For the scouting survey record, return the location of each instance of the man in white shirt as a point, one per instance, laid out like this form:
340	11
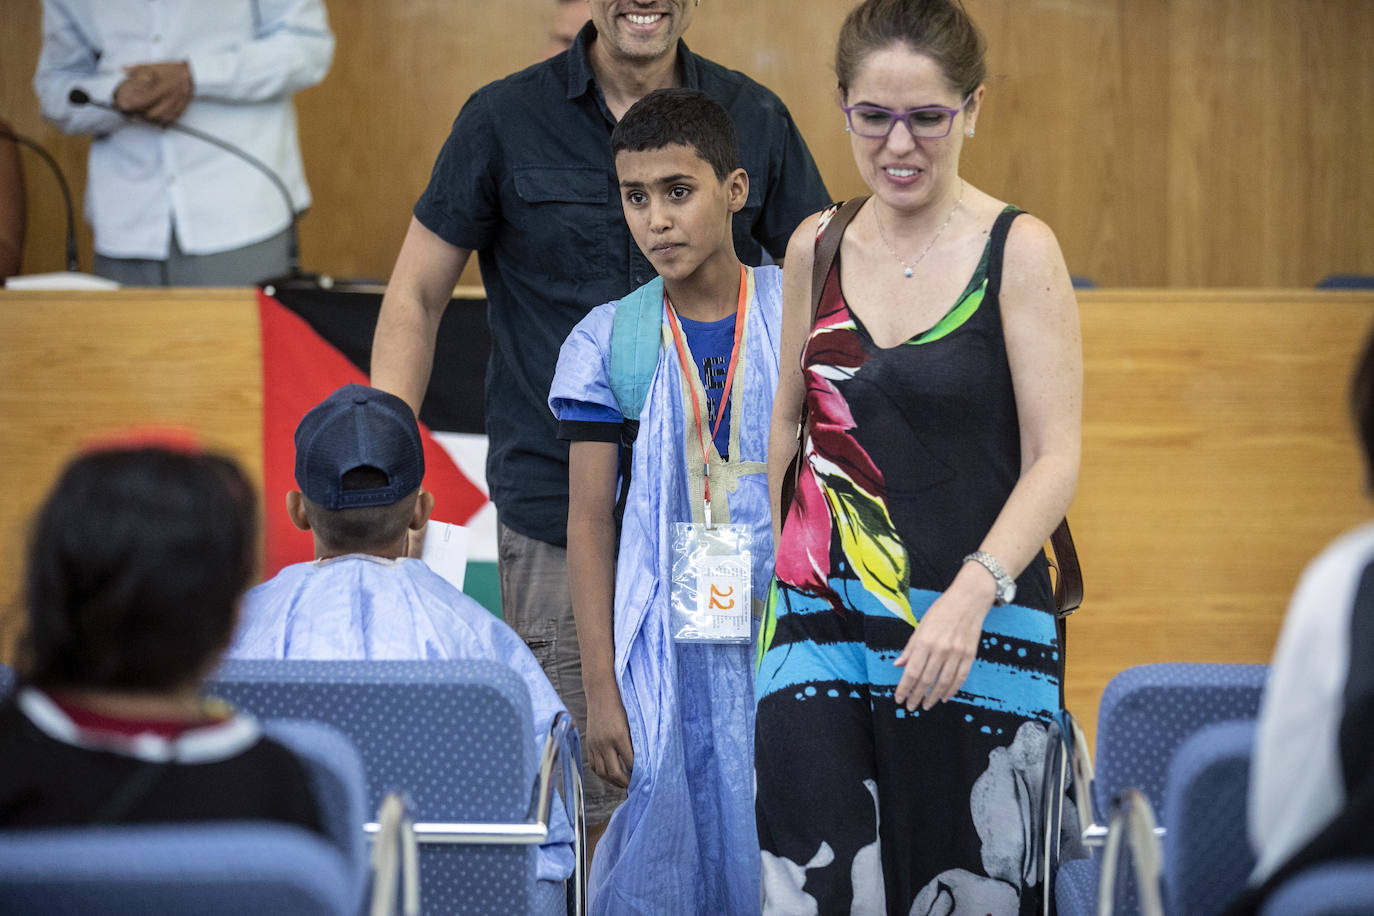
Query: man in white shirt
168	208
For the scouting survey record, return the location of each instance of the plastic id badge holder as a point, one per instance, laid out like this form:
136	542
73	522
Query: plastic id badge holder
710	601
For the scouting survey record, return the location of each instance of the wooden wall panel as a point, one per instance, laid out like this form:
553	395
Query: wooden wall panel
1217	461
1216	453
79	364
1168	142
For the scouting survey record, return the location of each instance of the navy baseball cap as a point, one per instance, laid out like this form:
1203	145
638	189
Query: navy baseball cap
355	427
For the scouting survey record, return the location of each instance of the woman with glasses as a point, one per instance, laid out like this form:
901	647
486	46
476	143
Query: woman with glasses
908	660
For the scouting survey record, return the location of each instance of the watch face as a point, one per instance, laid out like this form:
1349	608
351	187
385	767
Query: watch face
1007	593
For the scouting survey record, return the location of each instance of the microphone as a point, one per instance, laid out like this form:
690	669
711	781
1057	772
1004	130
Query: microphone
294	278
72	264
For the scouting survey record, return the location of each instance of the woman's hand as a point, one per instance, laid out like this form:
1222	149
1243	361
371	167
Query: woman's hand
940	652
610	752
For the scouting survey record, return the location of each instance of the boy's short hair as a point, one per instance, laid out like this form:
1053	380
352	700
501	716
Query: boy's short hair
366	528
687	117
359	464
137	561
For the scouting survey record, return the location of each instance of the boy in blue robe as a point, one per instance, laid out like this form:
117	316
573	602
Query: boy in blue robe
672	721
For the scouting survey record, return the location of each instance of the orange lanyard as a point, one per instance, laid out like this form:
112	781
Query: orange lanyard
689	374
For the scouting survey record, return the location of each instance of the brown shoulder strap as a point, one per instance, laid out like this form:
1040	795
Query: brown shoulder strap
833	223
1068	584
827	246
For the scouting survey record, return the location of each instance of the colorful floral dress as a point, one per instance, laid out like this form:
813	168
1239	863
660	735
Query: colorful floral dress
861	806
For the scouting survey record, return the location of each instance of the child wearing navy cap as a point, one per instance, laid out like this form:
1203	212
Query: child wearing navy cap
359	466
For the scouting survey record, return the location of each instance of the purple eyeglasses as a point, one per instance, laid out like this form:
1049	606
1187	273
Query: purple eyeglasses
930	122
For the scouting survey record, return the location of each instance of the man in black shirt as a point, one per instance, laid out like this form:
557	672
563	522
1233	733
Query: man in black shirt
526	179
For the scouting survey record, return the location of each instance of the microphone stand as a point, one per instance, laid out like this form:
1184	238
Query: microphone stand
294	278
73	264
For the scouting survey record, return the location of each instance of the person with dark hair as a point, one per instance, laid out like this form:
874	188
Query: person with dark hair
670	693
359	465
527	180
135	568
910	662
1312	775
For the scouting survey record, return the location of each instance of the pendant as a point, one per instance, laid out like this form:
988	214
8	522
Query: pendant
907	273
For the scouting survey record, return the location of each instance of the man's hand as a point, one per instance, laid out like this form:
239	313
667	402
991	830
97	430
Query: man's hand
609	750
158	92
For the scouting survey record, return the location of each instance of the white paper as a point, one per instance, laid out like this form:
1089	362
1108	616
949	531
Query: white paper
64	279
446	551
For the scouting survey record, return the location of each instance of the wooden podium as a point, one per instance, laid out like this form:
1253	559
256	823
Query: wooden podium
1217	453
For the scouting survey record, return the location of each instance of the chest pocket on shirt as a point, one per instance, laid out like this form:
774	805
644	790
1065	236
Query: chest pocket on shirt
564	213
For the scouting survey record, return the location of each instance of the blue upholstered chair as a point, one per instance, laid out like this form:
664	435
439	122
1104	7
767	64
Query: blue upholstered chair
1346	281
6	681
221	868
1207	855
1334	889
335	770
1145	715
457	738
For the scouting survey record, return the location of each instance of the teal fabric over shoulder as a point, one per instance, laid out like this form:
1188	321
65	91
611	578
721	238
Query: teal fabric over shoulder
636	336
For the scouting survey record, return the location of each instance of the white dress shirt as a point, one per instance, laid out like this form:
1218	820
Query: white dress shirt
246	58
1296	784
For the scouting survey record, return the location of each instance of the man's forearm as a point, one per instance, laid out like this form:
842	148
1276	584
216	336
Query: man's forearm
403	350
408	326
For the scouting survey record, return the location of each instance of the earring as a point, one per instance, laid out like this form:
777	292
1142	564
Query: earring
970	133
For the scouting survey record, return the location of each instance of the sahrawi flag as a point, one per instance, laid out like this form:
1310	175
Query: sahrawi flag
314	341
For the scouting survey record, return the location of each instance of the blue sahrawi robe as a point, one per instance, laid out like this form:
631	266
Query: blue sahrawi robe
363	607
684	841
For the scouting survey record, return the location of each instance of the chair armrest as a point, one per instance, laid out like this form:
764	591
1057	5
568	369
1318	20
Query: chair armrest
395	850
1132	821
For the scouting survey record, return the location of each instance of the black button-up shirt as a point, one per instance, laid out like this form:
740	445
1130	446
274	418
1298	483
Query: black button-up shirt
526	179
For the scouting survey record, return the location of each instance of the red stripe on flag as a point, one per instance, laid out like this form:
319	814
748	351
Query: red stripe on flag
299	370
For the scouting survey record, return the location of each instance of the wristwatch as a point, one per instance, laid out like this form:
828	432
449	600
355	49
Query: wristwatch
1006	585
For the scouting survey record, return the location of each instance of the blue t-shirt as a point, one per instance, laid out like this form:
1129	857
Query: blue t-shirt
710	343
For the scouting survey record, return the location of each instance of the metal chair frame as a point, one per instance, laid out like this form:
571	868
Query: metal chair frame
1132	821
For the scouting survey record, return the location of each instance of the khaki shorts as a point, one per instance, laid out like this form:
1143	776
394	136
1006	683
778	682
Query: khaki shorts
536	602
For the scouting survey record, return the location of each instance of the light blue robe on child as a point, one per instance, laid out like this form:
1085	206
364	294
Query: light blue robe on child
684	841
359	606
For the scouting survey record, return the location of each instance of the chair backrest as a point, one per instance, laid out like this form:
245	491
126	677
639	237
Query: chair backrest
1148	711
456	736
1334	889
1207	856
337	779
1346	281
7	680
220	869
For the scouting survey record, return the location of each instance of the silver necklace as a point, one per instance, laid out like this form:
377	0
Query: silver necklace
910	269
